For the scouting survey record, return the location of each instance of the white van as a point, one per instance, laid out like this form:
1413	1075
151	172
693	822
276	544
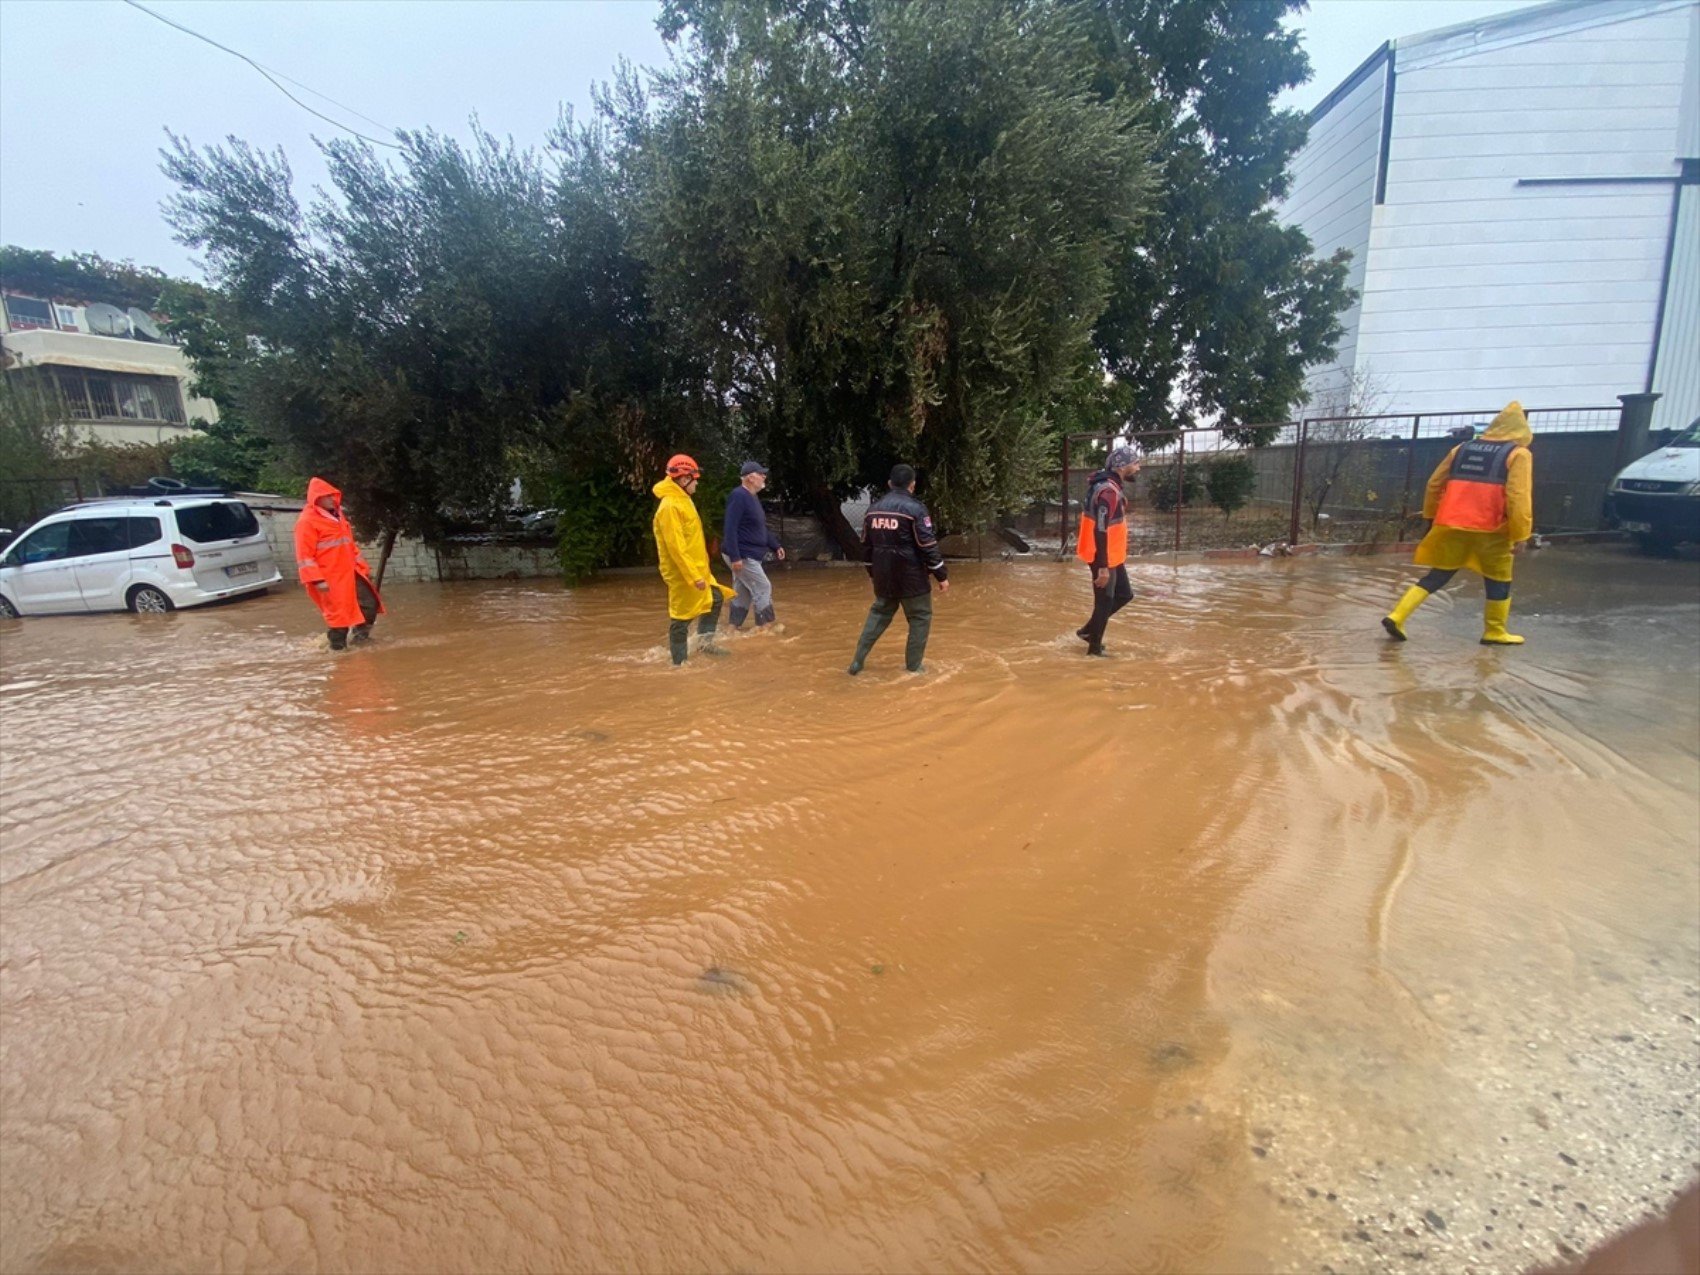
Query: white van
137	554
1658	497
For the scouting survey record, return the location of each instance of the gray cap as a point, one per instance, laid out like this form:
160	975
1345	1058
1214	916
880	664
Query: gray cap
752	467
1121	457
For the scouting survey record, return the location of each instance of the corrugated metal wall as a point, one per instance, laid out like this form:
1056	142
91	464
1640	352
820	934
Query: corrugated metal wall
1480	286
1334	191
1677	374
1507	258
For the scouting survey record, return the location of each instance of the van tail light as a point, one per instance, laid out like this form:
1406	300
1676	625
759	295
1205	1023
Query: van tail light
181	556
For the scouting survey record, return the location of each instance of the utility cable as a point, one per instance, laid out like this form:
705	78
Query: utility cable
376	141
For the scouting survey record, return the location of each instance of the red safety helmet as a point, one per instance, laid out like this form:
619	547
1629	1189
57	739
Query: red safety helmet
682	466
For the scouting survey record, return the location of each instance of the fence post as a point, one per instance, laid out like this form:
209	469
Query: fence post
1410	462
1180	489
1298	482
1062	533
1634	425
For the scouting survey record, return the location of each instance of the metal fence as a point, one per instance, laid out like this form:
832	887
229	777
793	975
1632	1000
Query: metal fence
1333	479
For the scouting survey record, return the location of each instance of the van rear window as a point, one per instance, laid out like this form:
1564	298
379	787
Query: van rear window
221	520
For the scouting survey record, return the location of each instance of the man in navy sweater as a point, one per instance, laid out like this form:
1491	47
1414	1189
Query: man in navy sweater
744	543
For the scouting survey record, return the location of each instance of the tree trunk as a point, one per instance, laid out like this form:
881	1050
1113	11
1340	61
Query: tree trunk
830	511
384	558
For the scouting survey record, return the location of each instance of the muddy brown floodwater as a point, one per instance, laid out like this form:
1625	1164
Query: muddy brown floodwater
501	945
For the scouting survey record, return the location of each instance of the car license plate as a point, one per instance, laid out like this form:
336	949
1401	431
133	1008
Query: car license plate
1636	528
243	569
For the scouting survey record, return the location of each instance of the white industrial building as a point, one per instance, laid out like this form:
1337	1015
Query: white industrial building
1521	199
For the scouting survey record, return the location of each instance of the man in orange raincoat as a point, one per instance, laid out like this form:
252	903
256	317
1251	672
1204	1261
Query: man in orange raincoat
332	568
1479	497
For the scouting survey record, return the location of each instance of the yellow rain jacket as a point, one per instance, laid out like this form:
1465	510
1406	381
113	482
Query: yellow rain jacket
682	552
1486	552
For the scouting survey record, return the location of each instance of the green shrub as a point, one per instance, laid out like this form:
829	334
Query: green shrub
1167	488
1231	480
603	523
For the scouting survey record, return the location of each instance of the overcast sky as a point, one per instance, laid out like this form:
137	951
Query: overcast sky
91	85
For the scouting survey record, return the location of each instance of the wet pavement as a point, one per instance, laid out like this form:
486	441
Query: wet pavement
500	944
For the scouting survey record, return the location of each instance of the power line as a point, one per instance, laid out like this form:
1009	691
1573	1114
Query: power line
307	88
275	81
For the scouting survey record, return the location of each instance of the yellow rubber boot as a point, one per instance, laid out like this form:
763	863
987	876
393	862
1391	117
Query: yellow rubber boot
1394	621
1495	614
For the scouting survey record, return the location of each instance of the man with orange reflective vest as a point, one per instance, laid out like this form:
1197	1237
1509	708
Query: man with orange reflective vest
692	589
1479	498
332	568
1102	544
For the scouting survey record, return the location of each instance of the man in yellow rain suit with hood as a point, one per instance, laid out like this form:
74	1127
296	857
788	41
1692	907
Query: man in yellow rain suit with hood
692	589
1479	499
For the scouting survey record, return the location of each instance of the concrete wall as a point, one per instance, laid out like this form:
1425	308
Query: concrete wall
417	560
412	561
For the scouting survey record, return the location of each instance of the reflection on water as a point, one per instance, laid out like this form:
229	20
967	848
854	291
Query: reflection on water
503	945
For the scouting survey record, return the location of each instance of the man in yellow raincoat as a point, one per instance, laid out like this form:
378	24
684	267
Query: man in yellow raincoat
692	589
1479	498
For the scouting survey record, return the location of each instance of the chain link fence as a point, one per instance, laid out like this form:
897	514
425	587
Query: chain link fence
1334	479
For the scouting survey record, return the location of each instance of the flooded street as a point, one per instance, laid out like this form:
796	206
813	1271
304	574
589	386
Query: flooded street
502	945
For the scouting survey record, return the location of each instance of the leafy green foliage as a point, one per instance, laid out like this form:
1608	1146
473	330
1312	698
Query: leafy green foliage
34	441
1218	309
1169	485
1231	481
223	455
82	276
888	228
834	234
602	523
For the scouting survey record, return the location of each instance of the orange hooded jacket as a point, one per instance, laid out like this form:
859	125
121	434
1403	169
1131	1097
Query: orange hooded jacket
325	550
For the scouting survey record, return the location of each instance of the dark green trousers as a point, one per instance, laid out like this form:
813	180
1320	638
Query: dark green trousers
918	610
368	617
679	631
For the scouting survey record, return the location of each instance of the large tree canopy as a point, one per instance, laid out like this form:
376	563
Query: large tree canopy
832	233
1218	308
413	330
889	229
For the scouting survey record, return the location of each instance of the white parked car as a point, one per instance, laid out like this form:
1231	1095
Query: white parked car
1658	496
136	553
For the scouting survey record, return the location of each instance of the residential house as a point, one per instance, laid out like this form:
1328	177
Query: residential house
120	377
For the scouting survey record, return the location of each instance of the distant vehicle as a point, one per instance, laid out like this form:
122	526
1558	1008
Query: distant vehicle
138	554
1657	498
540	522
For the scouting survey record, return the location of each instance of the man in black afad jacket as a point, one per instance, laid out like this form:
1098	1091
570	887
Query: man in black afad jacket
903	558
